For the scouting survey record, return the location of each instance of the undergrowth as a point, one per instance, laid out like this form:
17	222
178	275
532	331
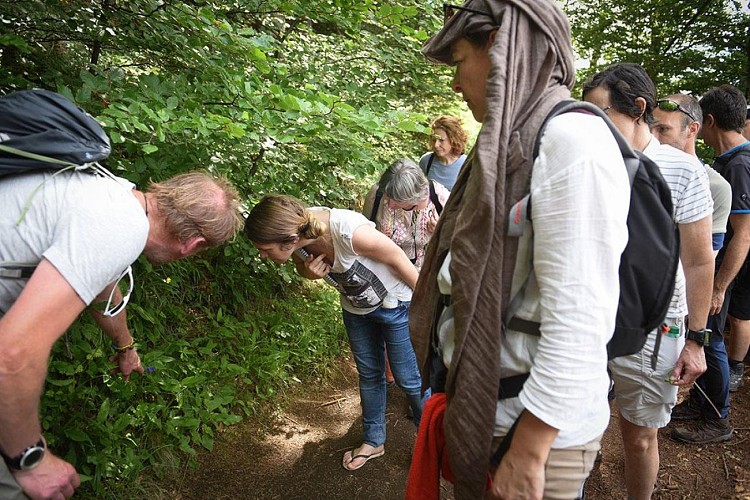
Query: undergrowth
219	336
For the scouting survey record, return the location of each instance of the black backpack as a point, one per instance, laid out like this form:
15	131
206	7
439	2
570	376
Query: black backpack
648	265
429	164
379	196
40	129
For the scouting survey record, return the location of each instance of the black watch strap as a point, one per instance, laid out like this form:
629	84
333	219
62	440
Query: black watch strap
28	458
703	336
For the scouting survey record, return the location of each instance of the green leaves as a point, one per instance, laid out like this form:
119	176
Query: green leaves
684	46
217	348
306	98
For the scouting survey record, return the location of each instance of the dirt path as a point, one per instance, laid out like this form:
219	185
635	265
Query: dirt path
296	454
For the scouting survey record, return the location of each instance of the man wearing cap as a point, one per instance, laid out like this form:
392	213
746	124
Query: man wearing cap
513	63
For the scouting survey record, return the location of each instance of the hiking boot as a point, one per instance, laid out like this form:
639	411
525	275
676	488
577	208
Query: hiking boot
687	410
710	430
735	376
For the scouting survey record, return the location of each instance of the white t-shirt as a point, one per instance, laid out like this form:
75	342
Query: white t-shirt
580	196
90	228
362	282
721	192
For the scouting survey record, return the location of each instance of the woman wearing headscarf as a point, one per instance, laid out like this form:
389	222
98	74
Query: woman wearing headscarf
513	63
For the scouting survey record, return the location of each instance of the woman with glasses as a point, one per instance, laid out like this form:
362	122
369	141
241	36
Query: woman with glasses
448	142
405	206
375	280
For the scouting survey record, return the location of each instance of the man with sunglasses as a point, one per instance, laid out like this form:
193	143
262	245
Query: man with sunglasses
65	241
646	394
513	63
677	122
724	110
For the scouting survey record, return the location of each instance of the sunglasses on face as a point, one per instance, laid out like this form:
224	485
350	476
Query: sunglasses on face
669	105
451	10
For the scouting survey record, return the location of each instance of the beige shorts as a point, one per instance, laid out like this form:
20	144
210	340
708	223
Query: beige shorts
566	469
643	395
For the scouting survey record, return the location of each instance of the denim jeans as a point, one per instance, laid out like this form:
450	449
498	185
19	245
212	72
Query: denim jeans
369	335
715	380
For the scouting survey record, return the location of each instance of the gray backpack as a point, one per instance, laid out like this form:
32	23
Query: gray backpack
40	129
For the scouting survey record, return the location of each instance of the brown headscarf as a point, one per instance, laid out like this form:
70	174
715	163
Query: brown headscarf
531	71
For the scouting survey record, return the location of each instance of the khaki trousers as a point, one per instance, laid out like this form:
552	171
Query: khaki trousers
566	469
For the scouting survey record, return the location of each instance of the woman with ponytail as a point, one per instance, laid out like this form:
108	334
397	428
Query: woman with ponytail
375	279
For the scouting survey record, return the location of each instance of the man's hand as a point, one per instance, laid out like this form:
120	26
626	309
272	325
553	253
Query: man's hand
690	365
127	363
520	474
717	301
53	479
517	478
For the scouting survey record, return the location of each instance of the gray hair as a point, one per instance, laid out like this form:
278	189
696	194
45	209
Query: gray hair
404	182
689	104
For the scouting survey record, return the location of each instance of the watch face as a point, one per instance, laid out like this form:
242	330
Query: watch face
32	458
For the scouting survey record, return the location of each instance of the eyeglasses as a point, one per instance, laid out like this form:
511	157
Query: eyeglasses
451	10
669	105
394	204
111	311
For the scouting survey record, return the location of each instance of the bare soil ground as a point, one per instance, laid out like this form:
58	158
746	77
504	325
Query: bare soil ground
294	452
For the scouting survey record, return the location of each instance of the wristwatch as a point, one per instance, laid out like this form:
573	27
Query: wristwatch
702	336
28	458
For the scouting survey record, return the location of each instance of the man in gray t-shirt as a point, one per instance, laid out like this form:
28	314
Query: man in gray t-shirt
65	242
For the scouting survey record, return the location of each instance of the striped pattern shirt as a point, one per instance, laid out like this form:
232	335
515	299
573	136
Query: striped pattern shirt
691	198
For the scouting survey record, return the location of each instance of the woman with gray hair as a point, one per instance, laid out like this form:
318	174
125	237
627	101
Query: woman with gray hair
405	206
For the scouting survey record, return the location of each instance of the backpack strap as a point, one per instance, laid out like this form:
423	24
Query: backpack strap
17	271
521	212
34	156
429	164
376	204
434	198
628	154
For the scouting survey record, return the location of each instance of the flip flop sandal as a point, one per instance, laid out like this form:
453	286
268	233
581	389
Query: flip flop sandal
367	458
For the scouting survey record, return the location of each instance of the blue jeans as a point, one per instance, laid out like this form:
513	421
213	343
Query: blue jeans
715	380
369	335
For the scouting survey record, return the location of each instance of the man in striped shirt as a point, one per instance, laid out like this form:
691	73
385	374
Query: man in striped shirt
645	396
677	122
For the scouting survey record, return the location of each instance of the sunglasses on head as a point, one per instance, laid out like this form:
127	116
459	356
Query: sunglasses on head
669	105
451	10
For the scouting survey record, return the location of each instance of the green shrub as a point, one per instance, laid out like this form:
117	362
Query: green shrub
209	367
